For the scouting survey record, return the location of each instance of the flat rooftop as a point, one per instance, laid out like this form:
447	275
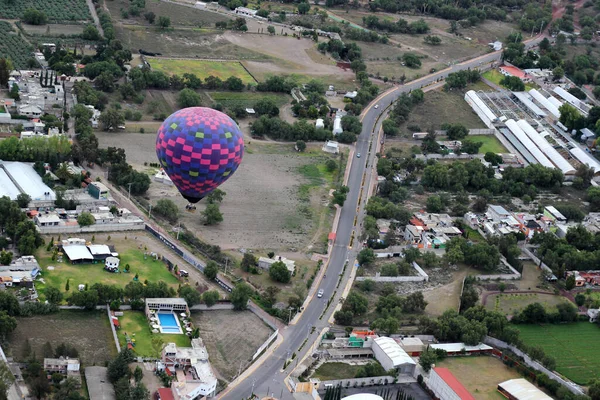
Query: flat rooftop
7	188
29	180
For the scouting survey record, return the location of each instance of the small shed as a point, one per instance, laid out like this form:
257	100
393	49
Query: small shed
319	123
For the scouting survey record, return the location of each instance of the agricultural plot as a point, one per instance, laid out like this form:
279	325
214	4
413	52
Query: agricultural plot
480	375
13	46
490	143
88	331
180	15
53	29
247	99
56	10
510	304
229	343
202	68
571	345
129	253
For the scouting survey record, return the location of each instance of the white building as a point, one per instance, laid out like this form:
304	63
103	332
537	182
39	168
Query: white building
337	125
331	146
521	389
49	219
30	110
265	263
445	386
319	123
391	356
245	11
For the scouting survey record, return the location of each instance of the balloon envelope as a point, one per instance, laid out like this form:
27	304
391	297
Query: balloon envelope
199	148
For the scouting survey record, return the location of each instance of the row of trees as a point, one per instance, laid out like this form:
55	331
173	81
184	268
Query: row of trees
400	26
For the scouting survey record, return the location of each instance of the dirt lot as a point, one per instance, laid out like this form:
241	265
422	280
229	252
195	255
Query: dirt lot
53	29
88	332
480	375
228	343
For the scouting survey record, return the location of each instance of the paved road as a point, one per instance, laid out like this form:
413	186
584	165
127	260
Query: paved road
268	378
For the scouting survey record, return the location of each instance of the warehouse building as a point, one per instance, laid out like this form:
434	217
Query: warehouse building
521	389
585	158
544	102
481	109
391	356
538	139
445	386
528	144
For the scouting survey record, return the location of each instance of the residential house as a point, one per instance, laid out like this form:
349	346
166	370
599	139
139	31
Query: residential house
47	219
554	214
65	366
412	234
265	263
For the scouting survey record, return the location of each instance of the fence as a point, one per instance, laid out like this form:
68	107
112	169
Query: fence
572	387
136	226
536	260
358	382
423	277
112	328
265	344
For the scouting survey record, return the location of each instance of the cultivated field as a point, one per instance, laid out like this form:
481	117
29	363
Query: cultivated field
135	324
450	107
201	68
490	143
510	304
247	99
129	253
53	29
14	46
56	10
89	332
229	343
480	375
569	344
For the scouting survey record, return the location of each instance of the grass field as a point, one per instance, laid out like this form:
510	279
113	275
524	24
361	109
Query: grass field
53	29
490	143
571	345
134	323
495	76
149	269
230	337
510	304
480	375
441	107
202	68
88	331
336	370
247	99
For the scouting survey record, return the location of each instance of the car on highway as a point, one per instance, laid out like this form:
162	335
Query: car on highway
376	106
357	155
320	293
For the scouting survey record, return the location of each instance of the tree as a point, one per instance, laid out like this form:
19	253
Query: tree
271	29
433	40
190	294
570	117
5	70
279	272
5	257
456	131
513	83
90	32
212	214
150	17
23	200
216	196
211	270
411	60
570	282
210	297
356	302
366	256
188	98
427	359
85	219
34	17
593	196
343	317
8	324
434	204
111	119
53	295
303	8
234	83
594	389
164	22
240	295
330	165
119	367
414	303
248	261
301	145
167	209
87	299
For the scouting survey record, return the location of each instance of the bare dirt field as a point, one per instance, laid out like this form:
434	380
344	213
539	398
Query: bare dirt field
53	29
228	343
89	332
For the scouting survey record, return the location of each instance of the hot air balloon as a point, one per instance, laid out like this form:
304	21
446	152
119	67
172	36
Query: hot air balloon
199	148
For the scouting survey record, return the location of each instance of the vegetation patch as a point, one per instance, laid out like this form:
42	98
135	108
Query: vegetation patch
56	10
247	99
511	304
13	46
202	68
339	370
570	345
490	143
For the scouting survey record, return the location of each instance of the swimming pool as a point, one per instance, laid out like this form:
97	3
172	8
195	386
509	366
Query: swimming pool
168	323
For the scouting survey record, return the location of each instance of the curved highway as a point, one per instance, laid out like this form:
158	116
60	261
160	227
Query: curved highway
268	378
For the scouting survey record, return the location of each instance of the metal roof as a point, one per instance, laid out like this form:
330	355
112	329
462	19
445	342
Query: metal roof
544	102
522	389
454	347
393	350
518	146
29	180
585	158
546	147
567	96
533	149
7	187
523	97
77	252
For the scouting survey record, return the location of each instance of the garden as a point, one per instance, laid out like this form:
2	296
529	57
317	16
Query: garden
13	46
490	143
141	263
572	345
56	10
510	304
202	68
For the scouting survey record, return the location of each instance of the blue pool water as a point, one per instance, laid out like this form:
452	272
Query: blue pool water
170	330
167	321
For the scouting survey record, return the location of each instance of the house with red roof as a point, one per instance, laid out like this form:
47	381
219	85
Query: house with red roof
509	70
445	386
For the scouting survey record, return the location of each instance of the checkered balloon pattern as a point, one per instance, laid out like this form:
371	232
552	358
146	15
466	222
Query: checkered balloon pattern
199	148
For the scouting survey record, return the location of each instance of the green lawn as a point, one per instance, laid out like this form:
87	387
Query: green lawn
148	268
134	323
510	304
201	68
490	143
495	76
336	370
572	345
247	99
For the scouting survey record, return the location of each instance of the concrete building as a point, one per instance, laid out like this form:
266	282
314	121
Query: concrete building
265	263
331	146
98	190
47	219
172	304
413	346
30	110
363	396
391	356
65	366
453	349
245	11
555	215
521	389
192	369
445	386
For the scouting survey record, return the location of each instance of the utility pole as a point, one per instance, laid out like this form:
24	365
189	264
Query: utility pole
178	229
226	263
129	184
150	212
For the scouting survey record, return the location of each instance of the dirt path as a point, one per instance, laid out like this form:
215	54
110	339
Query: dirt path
95	17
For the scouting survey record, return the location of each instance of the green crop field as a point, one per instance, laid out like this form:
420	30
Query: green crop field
201	68
56	10
247	99
572	345
13	46
135	324
148	268
490	143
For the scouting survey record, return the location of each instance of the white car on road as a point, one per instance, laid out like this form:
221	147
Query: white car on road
320	293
